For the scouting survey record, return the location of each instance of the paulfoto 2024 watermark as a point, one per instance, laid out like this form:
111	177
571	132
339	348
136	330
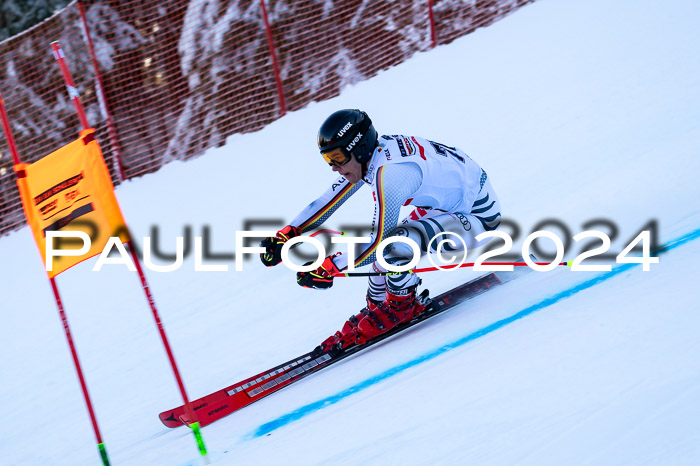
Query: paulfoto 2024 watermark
493	257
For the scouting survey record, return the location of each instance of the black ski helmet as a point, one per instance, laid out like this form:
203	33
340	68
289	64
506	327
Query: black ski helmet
351	131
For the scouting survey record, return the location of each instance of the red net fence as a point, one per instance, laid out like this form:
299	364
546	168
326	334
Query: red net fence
162	81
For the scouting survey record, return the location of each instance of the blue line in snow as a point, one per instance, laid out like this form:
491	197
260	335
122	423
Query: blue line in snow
333	399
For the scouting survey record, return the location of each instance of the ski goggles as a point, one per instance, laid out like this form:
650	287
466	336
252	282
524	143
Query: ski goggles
336	157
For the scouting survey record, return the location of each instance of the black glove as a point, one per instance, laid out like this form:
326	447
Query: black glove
273	246
320	278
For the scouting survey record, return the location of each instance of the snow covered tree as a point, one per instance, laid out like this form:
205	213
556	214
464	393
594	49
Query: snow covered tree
18	15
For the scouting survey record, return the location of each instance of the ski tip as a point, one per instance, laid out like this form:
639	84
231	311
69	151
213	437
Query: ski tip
169	420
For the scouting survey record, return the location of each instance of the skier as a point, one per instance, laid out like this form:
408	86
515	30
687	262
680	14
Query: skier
450	191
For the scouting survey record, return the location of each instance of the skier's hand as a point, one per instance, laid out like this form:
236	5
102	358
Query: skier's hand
273	246
321	278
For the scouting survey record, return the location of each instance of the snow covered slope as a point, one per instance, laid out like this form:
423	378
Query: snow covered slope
577	110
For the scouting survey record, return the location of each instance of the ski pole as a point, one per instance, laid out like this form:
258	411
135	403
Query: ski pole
332	232
315	233
432	269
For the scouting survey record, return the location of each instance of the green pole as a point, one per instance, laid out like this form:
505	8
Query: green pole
103	454
198	437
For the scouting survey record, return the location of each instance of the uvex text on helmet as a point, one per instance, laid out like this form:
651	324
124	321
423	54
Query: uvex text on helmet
351	131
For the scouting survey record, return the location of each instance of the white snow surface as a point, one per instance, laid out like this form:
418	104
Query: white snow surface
576	109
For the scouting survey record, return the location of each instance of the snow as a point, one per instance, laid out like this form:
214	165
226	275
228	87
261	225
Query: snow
577	110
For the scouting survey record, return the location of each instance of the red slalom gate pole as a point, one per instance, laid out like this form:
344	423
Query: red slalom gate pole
275	66
59	304
431	16
70	85
73	92
101	92
76	361
191	415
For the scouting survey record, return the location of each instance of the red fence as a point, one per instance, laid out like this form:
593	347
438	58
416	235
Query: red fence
172	79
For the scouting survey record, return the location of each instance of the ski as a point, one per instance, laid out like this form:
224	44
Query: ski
223	402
